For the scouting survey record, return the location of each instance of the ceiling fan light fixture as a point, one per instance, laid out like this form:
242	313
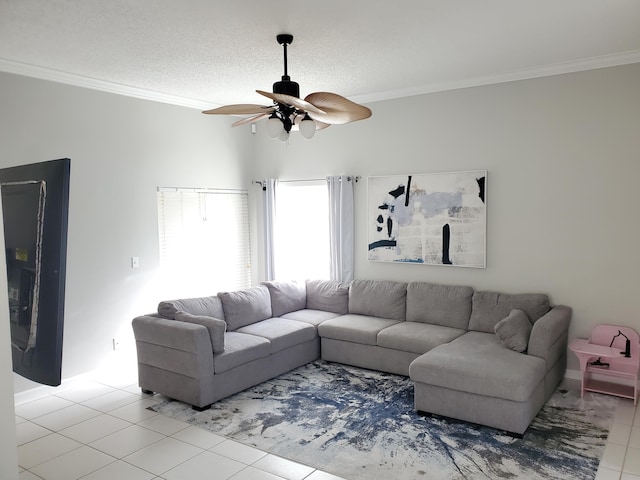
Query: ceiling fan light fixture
284	136
307	127
274	126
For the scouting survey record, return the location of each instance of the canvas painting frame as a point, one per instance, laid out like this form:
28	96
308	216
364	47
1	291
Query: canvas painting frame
428	219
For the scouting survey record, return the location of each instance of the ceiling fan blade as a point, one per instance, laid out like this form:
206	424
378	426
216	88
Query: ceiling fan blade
293	101
338	110
256	118
241	109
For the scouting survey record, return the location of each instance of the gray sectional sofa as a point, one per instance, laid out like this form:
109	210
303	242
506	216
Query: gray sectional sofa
482	357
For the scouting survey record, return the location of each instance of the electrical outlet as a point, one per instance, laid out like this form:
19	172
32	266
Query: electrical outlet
135	262
116	344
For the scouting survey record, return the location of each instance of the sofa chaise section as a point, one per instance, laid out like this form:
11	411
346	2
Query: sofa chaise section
480	379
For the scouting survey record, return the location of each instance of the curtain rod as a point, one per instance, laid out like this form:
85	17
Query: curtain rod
356	178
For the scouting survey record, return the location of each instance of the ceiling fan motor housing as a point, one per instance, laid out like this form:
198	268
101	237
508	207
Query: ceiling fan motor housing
287	87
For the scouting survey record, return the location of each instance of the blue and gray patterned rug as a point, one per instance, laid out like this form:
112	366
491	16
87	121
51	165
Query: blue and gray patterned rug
360	424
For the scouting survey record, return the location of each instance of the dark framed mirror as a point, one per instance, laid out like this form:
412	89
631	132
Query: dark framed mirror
35	205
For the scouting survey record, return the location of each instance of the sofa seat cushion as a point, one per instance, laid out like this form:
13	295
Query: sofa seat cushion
313	317
355	328
446	305
240	348
478	363
244	307
282	333
384	299
416	337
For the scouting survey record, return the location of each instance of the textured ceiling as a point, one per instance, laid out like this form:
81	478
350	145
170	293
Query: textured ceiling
205	53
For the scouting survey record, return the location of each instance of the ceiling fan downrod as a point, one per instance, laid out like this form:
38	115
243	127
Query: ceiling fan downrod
286	86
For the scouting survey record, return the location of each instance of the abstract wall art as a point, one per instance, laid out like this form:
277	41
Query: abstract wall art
433	219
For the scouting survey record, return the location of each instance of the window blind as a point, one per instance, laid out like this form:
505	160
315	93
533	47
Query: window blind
204	238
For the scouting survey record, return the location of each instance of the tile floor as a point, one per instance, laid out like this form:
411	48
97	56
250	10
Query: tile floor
100	429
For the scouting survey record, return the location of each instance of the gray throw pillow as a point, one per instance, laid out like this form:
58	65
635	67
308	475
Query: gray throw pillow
286	297
207	306
514	330
216	328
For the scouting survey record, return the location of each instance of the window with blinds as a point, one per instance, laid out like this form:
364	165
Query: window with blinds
204	239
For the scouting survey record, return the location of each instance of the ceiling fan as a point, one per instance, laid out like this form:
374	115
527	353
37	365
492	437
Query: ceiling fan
289	112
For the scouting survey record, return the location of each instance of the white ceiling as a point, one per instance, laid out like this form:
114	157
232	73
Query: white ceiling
206	53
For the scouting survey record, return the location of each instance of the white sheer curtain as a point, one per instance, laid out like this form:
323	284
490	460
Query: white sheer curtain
269	216
341	229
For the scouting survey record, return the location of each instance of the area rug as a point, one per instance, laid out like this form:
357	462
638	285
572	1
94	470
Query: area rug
360	424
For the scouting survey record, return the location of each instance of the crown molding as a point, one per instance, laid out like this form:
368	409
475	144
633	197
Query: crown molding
58	76
592	63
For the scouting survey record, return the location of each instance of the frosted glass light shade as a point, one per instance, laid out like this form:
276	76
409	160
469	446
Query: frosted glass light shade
307	127
274	127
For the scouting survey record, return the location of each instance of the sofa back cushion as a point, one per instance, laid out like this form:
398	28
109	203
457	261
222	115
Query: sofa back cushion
286	297
328	296
208	306
491	307
247	306
376	298
446	305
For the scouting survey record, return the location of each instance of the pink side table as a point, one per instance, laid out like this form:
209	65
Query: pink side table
608	344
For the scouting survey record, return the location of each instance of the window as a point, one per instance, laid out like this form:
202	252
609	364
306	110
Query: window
204	240
301	231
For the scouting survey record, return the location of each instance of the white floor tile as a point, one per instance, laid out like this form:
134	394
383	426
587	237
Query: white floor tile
120	470
625	411
44	449
66	417
41	407
283	467
27	475
251	473
238	452
632	461
165	425
20	420
634	438
203	466
607	474
111	401
628	476
163	455
318	475
73	465
95	428
28	432
127	441
135	412
613	457
619	433
84	391
199	437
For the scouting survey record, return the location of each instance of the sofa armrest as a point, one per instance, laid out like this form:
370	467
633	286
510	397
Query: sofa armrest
549	335
179	347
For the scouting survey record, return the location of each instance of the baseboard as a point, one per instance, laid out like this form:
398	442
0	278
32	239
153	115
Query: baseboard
44	390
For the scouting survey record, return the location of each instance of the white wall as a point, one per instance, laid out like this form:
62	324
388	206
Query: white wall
121	149
562	155
8	450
